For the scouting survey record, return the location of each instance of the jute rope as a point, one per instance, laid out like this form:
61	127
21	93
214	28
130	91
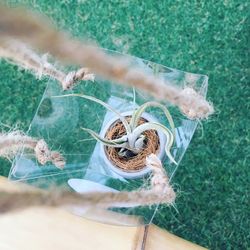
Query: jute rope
160	191
37	32
28	59
11	143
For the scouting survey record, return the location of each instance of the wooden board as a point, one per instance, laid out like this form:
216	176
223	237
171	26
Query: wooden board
56	229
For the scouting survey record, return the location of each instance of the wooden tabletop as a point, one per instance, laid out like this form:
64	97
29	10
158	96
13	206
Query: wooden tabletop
45	228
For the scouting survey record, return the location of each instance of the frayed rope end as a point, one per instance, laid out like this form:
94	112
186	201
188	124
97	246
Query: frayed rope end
44	155
160	181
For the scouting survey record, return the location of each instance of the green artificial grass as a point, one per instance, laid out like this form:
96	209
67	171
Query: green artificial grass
206	37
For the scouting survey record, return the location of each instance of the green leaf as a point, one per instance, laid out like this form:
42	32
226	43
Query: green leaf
119	143
105	105
155	126
137	114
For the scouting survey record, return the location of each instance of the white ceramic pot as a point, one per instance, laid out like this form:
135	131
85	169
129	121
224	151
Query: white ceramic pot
145	170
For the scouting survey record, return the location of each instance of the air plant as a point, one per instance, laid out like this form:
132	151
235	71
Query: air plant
133	140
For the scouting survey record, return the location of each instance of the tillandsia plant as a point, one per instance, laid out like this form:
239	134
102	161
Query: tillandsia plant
133	141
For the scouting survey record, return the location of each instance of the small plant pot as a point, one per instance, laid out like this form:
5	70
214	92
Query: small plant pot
134	166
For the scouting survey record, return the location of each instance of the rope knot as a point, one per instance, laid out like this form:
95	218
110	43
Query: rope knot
44	155
74	76
194	106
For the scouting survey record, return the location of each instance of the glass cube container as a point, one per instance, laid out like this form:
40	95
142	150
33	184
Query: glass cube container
59	121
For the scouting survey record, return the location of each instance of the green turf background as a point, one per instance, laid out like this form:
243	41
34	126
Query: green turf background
207	37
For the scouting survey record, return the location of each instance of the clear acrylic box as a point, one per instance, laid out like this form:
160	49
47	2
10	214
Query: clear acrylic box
59	122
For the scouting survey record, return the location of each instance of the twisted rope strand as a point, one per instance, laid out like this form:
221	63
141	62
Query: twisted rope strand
160	191
39	33
12	142
28	59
